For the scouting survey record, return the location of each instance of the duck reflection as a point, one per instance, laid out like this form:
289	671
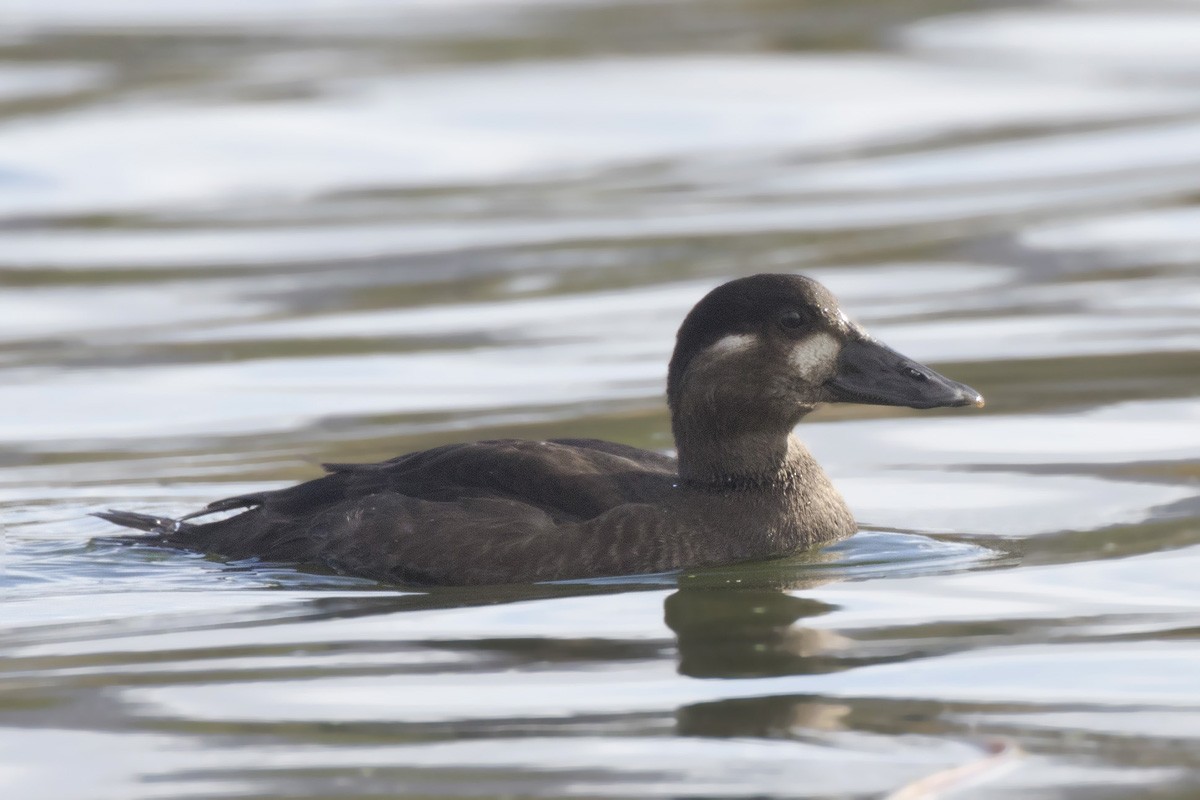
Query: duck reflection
737	632
749	633
762	717
722	630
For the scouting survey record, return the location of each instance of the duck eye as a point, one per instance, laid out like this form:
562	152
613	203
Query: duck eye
791	320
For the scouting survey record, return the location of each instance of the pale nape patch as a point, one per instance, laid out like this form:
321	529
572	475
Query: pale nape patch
815	358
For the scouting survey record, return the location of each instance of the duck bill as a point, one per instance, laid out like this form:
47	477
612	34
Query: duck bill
873	373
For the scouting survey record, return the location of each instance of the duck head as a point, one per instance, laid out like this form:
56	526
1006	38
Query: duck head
758	353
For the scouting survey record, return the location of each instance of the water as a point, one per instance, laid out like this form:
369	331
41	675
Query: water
238	239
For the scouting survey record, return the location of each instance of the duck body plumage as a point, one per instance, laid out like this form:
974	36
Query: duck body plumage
744	372
517	511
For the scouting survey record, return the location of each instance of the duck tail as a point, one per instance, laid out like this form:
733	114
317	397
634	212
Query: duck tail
142	522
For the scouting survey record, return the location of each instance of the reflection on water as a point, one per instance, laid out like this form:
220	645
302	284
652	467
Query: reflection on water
240	239
744	633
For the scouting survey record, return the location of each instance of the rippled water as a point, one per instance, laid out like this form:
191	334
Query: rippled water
238	239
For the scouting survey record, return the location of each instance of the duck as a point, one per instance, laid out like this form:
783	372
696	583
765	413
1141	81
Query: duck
751	359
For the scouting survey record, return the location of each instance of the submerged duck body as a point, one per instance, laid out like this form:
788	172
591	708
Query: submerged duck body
751	359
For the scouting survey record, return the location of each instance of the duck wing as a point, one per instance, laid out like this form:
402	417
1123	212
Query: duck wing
460	513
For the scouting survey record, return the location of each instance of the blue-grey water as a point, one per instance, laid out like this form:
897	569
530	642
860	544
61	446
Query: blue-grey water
241	238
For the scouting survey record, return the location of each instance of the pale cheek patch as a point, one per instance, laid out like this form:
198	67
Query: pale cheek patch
708	368
815	358
735	344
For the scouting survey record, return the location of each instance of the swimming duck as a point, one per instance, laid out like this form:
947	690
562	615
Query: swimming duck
751	359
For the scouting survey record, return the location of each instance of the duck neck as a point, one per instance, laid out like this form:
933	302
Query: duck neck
733	459
757	483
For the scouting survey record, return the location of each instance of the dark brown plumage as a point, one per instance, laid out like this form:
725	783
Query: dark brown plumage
751	359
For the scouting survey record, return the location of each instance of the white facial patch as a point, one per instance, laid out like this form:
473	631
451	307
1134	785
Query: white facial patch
717	358
814	358
735	344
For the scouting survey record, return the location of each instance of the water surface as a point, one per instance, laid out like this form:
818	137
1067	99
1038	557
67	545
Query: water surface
237	240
